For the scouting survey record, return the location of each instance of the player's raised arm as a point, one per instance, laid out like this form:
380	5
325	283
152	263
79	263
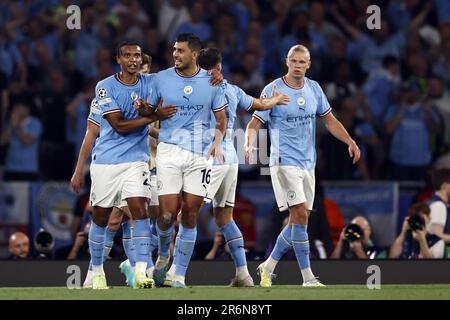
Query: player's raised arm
277	98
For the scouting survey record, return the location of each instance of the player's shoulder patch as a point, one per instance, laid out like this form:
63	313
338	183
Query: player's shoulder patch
95	107
103	88
102	92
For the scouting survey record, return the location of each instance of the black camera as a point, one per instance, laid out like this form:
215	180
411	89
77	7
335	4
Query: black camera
416	222
43	242
353	232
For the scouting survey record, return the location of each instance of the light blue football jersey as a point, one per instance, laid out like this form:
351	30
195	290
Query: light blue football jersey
194	97
111	147
292	127
236	98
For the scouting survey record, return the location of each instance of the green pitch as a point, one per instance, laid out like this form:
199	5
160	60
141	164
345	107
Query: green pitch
290	292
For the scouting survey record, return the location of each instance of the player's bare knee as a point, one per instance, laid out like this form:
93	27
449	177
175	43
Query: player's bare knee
114	225
222	219
101	221
299	215
165	219
189	220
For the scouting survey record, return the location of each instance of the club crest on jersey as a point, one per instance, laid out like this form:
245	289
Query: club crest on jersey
134	96
187	90
102	92
291	195
301	101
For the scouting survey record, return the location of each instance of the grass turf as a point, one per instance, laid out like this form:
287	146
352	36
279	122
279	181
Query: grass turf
286	292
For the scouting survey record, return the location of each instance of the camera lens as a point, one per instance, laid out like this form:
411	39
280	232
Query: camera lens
43	241
353	232
416	222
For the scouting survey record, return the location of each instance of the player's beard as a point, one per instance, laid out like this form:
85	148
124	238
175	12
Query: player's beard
184	65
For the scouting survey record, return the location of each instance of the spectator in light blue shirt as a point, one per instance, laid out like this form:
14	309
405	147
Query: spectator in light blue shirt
411	124
196	25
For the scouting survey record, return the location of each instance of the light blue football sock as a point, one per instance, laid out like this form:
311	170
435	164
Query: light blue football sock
96	243
155	239
165	238
185	249
235	241
109	241
141	239
283	243
301	244
127	242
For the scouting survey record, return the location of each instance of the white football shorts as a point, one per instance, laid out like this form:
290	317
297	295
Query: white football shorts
222	188
181	170
292	185
112	184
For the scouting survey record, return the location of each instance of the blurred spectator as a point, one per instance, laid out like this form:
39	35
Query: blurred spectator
19	246
411	125
380	87
196	24
77	113
442	68
22	136
56	155
12	65
342	168
414	242
439	97
355	242
80	248
219	250
175	13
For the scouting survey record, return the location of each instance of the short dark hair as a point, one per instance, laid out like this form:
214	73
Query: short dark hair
418	208
124	44
440	176
194	42
209	58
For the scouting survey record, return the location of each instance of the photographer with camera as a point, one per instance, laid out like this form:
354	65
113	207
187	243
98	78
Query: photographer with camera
414	242
355	243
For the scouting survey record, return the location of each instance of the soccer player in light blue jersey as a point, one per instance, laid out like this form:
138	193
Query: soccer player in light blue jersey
181	161
119	169
293	157
222	187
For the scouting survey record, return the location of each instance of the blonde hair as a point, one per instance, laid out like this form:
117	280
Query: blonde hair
299	48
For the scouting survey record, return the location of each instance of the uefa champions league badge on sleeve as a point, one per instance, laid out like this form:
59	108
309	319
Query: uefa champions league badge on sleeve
102	93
